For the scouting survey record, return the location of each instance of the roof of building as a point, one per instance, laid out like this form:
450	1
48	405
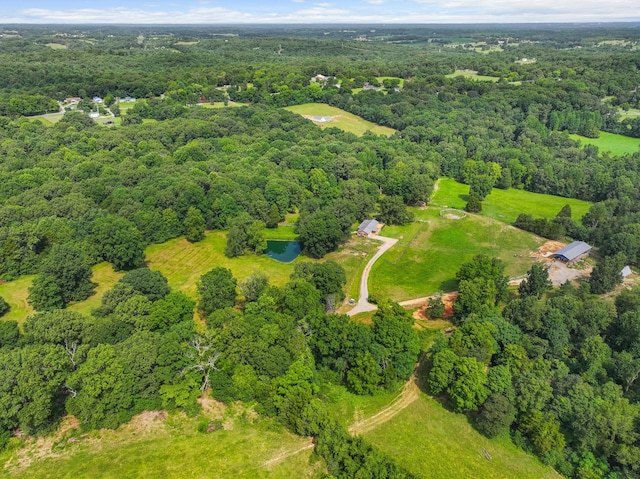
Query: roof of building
573	250
368	226
626	271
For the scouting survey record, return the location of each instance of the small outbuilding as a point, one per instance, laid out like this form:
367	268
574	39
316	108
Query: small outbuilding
368	227
572	253
626	271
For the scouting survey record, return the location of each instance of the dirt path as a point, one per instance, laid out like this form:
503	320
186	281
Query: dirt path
363	304
409	394
285	454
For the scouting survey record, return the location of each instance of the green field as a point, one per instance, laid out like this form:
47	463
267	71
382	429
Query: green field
148	447
15	293
435	443
617	145
341	119
432	249
506	205
473	75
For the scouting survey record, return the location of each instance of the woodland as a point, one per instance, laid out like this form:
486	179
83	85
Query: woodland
554	369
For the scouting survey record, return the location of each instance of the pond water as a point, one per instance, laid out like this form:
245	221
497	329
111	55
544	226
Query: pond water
283	251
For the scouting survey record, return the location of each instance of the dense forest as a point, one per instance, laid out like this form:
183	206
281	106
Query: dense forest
555	369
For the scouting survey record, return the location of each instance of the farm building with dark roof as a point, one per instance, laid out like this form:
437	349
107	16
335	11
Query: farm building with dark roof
368	227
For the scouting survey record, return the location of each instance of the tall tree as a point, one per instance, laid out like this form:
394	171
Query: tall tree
216	290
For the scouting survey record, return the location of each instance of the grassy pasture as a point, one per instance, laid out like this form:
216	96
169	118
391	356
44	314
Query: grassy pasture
15	293
436	443
472	75
56	46
617	145
431	250
506	205
220	104
341	119
48	119
147	448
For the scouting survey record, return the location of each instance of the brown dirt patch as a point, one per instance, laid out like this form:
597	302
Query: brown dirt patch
448	299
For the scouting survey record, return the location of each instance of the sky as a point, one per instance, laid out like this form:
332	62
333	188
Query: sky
310	11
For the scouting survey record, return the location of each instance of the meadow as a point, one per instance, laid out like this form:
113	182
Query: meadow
617	145
431	250
472	75
150	447
183	263
506	205
340	119
431	441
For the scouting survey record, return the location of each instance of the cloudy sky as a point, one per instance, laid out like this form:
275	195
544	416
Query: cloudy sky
309	11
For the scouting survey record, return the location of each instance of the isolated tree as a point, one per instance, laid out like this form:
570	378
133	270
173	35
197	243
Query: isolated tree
274	216
319	234
216	290
150	283
119	242
253	286
474	205
65	276
565	212
194	225
480	186
435	307
536	283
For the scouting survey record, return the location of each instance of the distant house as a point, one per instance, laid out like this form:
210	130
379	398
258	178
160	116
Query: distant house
368	227
319	78
97	99
626	271
94	114
73	100
574	252
368	86
127	99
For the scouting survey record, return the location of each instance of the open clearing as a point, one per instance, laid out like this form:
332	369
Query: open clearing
630	113
15	293
151	446
617	145
472	75
340	119
429	440
431	250
506	205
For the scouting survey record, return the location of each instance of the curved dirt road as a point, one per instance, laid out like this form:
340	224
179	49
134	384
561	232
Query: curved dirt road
363	304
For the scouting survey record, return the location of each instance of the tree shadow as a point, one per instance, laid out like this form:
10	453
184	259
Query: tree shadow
450	284
464	198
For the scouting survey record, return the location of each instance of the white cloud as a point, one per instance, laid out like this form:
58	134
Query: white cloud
374	2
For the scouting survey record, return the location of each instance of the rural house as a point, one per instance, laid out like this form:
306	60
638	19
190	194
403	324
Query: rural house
572	253
368	227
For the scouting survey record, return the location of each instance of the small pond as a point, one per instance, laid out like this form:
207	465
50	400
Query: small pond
283	251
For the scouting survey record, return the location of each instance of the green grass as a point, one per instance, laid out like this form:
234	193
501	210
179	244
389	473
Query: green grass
341	119
630	113
56	46
174	449
429	253
15	293
348	408
506	205
220	104
473	75
183	263
48	119
106	278
281	233
433	442
617	145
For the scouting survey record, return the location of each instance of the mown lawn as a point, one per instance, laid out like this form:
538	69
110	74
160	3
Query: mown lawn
174	449
506	205
617	145
340	119
435	443
432	249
